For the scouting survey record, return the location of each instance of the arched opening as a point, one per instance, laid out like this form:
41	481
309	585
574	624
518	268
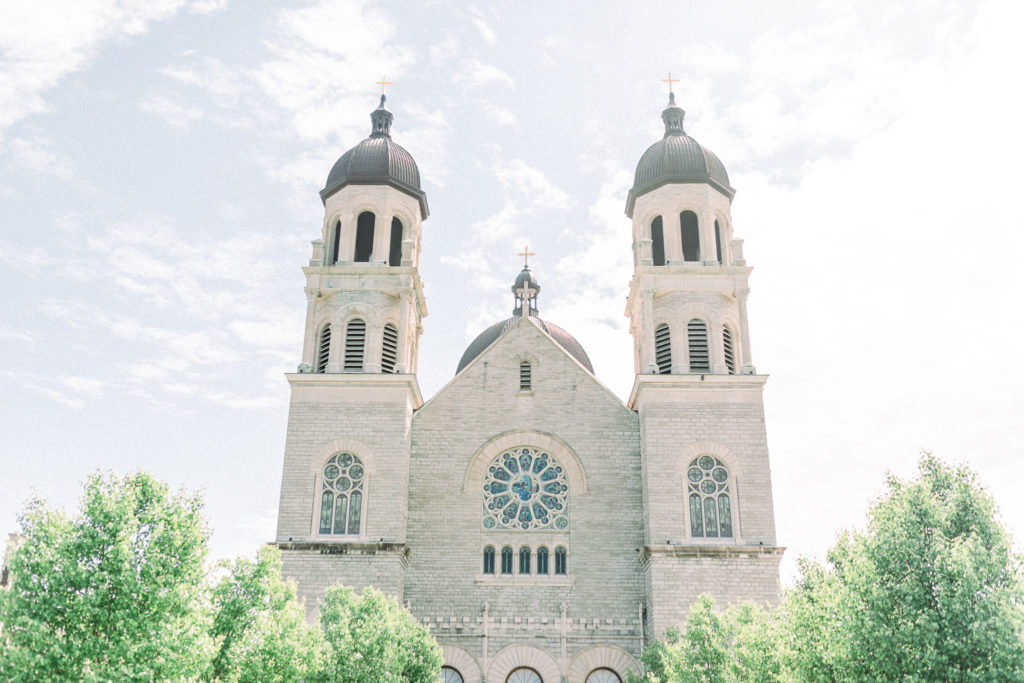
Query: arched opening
449	675
690	235
542	560
525	376
364	236
657	242
506	560
355	345
489	559
323	348
334	245
341	498
718	242
603	675
395	248
524	560
710	506
389	350
561	560
729	350
663	349
697	338
524	675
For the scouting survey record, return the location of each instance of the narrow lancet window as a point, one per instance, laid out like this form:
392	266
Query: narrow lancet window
525	376
506	560
657	242
663	349
323	348
560	561
730	351
355	345
542	560
389	351
524	560
697	336
489	559
335	244
718	242
341	498
710	507
395	248
364	236
690	235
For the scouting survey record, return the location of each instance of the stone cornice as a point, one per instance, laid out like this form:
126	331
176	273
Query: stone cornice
691	381
710	551
346	548
358	380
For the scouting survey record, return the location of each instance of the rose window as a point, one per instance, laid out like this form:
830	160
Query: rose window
710	508
525	489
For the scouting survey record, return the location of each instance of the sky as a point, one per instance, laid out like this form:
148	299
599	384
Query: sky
160	162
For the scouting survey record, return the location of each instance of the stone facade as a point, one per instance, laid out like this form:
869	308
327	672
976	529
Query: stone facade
630	541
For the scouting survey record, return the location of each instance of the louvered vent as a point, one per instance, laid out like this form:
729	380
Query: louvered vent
355	345
663	349
697	335
525	376
389	352
323	349
730	354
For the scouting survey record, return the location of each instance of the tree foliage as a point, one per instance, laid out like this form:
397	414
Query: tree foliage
114	593
371	637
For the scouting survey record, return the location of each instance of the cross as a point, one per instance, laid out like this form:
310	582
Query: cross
384	83
526	293
670	81
526	254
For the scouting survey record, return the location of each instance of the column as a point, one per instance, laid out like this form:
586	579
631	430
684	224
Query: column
404	347
706	227
309	347
650	367
748	362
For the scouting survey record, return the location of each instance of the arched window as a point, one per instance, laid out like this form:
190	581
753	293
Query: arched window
323	348
560	560
603	676
524	560
334	244
710	507
657	242
525	376
489	559
697	337
389	352
718	242
395	248
449	675
364	236
341	495
730	352
542	560
525	488
690	235
663	349
506	560
355	344
524	675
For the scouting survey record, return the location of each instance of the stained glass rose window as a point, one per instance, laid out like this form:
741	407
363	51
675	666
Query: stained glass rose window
341	497
525	489
710	508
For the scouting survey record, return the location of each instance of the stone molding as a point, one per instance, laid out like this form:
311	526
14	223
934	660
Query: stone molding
561	451
514	656
598	657
675	550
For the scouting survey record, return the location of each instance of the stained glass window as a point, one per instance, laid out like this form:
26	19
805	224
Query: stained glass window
489	560
542	560
341	497
524	675
524	560
603	676
525	488
449	675
560	560
506	560
710	508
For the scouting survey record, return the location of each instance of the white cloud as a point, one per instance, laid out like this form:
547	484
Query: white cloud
482	27
532	185
476	74
442	53
498	114
174	113
37	155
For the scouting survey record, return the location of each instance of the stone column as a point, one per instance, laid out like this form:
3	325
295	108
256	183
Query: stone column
337	346
673	231
748	362
650	367
404	347
706	228
309	347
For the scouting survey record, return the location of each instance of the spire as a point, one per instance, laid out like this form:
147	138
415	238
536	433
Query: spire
526	290
381	119
673	117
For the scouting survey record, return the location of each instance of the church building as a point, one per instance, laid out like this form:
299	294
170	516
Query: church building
544	530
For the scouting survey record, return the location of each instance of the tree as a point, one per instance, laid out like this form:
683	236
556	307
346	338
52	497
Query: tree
261	625
931	590
370	637
116	593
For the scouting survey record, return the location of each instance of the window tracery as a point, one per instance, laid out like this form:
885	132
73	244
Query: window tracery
341	496
710	507
449	675
525	488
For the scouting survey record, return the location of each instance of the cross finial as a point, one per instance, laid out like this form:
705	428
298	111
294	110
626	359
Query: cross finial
670	81
384	83
526	254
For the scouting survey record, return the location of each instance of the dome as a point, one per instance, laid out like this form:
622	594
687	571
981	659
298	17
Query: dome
377	160
677	158
491	334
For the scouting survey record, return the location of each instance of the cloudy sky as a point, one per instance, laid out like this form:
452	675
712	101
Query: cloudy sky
160	162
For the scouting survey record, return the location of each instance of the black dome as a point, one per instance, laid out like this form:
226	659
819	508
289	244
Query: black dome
677	158
377	160
491	334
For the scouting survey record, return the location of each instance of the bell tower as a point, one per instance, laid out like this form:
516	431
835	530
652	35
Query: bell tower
709	518
344	490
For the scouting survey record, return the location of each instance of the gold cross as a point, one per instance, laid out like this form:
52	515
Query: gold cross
670	81
384	83
526	254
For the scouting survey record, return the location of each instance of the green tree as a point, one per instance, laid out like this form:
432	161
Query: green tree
370	637
930	591
114	593
261	625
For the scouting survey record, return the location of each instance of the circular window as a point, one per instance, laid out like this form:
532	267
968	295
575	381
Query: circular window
449	675
525	489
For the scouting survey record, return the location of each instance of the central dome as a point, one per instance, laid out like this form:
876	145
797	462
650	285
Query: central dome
377	160
677	158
